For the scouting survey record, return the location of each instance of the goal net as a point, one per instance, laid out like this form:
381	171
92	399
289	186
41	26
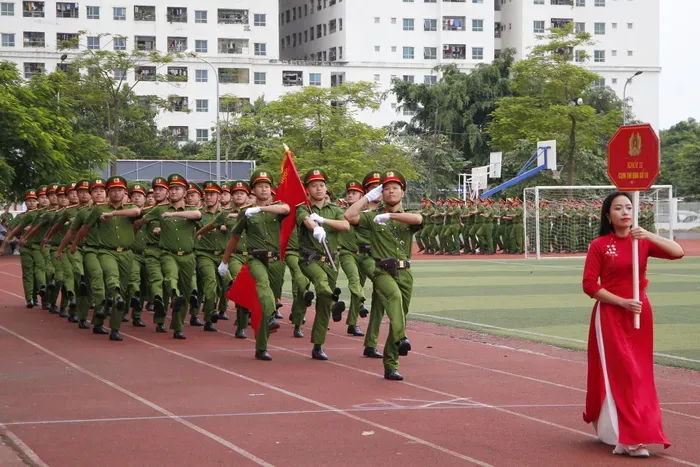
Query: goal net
563	220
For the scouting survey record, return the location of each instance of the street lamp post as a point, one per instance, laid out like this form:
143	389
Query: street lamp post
624	97
218	132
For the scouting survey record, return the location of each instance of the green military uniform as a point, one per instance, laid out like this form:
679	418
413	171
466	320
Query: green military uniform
349	262
7	217
116	235
485	232
317	267
391	249
138	285
80	279
30	269
152	254
177	260
425	234
63	220
468	222
477	222
262	231
301	295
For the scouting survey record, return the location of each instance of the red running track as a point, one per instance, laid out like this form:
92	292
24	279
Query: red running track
70	398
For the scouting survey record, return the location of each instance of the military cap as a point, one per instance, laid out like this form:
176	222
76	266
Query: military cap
160	182
354	185
30	194
314	175
71	187
116	181
61	191
150	191
225	187
394	176
98	183
239	186
370	178
211	186
194	188
177	179
83	184
42	190
137	187
260	175
53	188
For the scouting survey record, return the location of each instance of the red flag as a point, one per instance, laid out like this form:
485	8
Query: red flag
291	192
244	293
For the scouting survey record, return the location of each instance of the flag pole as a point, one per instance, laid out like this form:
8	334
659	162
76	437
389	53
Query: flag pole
308	206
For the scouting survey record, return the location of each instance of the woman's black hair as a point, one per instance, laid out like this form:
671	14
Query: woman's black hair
605	225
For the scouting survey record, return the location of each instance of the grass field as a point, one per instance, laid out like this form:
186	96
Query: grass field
543	301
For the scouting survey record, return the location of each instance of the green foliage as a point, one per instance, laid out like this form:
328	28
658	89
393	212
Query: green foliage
680	158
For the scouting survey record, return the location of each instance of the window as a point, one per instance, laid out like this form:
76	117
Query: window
430	25
599	83
477	1
200	46
376	20
393	20
538	27
260	49
477	25
259	19
630	26
259	78
599	56
393	48
429	53
377	78
477	53
580	2
119	14
201	76
409	53
200	16
7	9
580	56
599	3
8	40
119	75
580	27
314	79
409	78
377	48
93	42
538	2
614	53
202	135
614	81
93	12
630	53
430	80
614	25
33	69
202	105
408	24
599	29
119	43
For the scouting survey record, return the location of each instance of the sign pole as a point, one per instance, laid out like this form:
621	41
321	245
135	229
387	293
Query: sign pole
635	256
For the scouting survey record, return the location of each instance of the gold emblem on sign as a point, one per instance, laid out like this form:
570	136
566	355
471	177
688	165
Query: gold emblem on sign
635	145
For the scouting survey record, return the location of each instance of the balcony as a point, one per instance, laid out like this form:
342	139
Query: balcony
562	2
145	43
332	26
561	22
178	103
33	9
234	76
66	40
228	104
180	133
293	78
177	73
337	79
454	51
176	15
332	54
226	16
177	44
34	39
233	46
497	30
67	10
453	23
144	13
145	73
33	69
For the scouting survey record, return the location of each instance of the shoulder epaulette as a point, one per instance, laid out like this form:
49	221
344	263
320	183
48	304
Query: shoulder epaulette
245	206
302	203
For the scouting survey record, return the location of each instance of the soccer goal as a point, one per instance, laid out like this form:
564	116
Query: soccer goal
561	221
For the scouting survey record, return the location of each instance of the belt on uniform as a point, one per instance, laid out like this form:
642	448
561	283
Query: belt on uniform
118	250
264	255
364	249
241	252
400	263
179	252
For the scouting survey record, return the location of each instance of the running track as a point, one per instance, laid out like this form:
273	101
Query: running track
70	398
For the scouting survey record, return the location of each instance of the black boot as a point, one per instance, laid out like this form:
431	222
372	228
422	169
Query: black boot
73	319
297	332
62	313
337	311
158	308
84	324
371	352
262	355
178	335
240	334
209	327
160	327
195	321
115	336
30	303
308	298
355	331
364	312
393	375
272	325
99	330
318	354
404	346
222	316
100	312
137	323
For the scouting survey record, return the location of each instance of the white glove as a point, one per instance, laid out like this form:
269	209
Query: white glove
223	269
252	211
319	234
382	218
318	219
375	194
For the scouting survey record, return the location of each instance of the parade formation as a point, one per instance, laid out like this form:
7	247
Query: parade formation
121	249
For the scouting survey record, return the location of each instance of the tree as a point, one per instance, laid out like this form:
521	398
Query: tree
106	95
547	86
38	141
680	158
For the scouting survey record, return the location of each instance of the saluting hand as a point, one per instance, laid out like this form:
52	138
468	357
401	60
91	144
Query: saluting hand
375	194
252	211
640	234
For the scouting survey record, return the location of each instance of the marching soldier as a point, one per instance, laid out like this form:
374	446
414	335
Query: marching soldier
261	222
193	199
137	281
302	296
315	229
391	239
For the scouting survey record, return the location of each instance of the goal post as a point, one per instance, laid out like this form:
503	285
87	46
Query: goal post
561	221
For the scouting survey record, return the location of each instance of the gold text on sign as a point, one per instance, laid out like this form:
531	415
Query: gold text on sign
635	165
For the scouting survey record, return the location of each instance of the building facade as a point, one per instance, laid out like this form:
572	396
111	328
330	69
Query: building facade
265	48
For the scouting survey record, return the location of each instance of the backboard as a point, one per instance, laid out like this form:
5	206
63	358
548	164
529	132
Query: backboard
551	162
495	163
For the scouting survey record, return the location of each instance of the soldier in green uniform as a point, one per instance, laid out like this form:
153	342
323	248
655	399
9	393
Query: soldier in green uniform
518	232
113	222
193	199
349	262
467	222
261	222
137	279
302	296
485	232
152	252
30	277
427	213
32	239
6	215
391	234
176	241
316	229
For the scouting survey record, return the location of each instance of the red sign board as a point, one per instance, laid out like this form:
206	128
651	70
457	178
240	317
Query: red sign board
634	157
